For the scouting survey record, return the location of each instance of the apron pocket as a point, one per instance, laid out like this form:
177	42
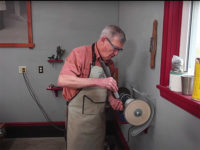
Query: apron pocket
90	107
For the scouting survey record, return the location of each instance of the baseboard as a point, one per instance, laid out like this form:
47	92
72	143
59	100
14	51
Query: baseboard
42	129
36	129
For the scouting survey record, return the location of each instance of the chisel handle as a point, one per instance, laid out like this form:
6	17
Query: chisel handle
107	72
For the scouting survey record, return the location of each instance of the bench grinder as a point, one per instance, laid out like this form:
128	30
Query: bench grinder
137	112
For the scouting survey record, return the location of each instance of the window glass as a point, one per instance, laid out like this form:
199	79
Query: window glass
194	39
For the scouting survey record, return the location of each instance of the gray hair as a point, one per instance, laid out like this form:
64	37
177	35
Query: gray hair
111	31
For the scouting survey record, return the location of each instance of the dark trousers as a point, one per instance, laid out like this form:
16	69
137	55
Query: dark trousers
1	20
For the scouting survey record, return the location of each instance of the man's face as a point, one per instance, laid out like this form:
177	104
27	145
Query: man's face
111	48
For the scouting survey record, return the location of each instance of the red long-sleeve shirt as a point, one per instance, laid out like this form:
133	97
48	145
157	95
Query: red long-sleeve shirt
78	64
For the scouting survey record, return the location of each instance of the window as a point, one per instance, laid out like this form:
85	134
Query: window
172	37
190	35
194	38
185	32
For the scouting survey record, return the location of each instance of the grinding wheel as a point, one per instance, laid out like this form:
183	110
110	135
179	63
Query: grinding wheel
137	112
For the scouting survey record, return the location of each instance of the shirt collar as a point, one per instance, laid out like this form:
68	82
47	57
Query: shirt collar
97	51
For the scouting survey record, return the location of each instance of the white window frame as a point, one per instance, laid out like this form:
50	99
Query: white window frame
188	28
185	32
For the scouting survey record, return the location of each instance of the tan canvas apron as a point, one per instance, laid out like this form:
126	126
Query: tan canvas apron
86	116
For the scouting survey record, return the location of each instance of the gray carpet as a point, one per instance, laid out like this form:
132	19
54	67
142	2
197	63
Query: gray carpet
47	143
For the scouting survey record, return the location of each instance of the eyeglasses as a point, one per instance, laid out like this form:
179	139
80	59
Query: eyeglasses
113	46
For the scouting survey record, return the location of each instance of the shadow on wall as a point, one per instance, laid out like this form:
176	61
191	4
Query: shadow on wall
140	71
139	65
125	60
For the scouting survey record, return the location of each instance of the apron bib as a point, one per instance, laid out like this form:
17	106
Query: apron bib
86	116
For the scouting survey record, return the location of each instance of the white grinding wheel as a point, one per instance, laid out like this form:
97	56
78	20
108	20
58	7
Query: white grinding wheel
137	112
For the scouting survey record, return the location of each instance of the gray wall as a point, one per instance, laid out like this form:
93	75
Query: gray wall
71	24
68	24
172	128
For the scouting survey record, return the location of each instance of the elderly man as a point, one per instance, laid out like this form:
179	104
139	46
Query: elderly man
86	89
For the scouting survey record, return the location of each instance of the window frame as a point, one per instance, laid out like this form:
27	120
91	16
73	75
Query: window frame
170	46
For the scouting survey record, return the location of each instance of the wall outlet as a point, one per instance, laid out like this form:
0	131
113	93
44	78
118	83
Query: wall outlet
40	69
22	69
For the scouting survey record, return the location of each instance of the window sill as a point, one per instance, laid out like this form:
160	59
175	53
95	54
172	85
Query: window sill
182	101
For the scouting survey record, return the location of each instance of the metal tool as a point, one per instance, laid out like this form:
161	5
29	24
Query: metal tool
108	74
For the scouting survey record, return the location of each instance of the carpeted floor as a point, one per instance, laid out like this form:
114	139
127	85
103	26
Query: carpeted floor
46	143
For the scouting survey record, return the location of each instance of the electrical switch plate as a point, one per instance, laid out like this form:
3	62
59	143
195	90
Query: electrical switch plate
40	69
22	69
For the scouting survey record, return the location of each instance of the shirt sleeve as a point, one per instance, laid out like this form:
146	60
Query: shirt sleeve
72	65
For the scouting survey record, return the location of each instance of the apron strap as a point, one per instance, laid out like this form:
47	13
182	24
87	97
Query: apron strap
93	55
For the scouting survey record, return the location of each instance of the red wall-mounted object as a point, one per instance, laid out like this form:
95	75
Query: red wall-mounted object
55	61
55	90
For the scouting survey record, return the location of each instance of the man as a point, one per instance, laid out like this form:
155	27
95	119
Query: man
86	89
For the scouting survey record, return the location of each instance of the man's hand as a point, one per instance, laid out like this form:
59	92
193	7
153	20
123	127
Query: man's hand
108	83
75	82
116	104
